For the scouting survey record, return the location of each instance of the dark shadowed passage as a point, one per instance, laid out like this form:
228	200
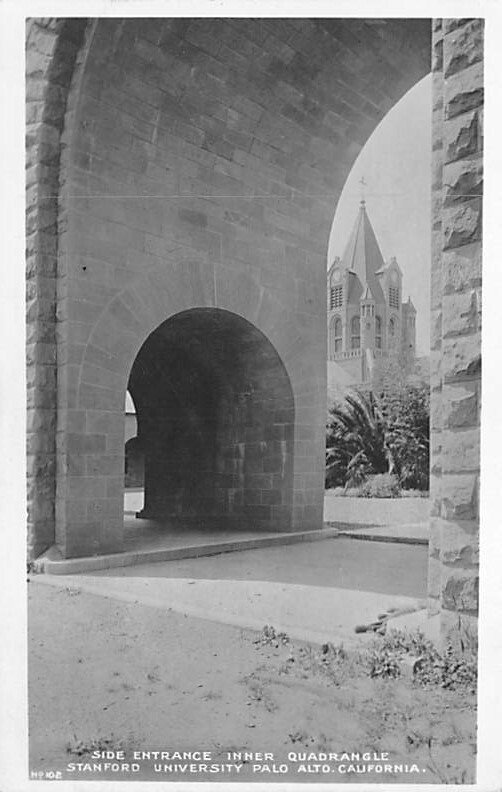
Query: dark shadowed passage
216	421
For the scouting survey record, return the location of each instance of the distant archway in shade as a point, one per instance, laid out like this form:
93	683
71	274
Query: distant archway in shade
215	415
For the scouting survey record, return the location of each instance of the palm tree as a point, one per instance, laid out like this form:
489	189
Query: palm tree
357	440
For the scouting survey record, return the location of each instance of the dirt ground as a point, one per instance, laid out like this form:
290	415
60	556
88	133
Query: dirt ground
108	675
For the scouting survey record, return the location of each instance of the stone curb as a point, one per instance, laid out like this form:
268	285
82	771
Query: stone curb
73	566
411	540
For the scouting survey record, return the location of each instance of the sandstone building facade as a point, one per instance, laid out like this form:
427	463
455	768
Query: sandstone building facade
181	183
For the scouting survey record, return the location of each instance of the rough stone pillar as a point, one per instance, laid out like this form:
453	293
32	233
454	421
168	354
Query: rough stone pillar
434	569
51	49
456	528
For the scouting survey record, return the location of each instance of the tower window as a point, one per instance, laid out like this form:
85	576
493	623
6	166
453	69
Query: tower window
392	330
378	332
337	335
355	333
336	297
394	296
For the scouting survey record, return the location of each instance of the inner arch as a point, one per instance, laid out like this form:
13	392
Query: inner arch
215	416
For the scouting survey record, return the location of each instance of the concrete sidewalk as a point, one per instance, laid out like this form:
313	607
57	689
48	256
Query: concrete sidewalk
308	613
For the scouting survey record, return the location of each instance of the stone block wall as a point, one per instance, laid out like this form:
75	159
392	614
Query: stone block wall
456	323
200	164
181	164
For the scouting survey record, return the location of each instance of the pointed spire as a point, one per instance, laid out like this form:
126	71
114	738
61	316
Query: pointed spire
363	255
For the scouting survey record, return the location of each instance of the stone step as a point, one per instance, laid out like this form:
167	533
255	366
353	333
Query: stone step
71	566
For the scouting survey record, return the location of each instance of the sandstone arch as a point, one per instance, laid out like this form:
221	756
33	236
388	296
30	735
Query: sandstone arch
226	142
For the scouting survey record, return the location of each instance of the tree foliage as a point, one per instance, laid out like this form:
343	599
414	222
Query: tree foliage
370	434
406	414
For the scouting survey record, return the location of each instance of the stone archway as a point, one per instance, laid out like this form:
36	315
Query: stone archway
179	163
216	422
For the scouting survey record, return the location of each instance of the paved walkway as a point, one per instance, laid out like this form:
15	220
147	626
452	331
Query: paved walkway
307	613
317	591
385	568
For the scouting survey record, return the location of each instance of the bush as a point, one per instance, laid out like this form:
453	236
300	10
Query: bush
406	414
448	668
383	485
387	433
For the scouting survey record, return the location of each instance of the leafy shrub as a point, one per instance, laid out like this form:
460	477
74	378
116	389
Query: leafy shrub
448	669
383	485
383	662
406	413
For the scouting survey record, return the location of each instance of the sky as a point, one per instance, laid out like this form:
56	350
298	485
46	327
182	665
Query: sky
396	166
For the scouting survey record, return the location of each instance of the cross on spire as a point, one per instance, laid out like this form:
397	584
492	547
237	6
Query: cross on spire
363	183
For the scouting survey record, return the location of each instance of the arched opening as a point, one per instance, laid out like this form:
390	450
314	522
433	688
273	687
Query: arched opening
392	332
336	336
378	332
355	333
134	460
380	246
215	416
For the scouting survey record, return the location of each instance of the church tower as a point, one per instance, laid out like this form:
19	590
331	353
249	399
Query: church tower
367	321
409	329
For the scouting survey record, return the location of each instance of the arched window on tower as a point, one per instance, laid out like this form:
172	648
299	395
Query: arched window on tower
378	332
392	331
336	337
355	333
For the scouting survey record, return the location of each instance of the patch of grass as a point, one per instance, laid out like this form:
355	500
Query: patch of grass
269	637
70	591
388	656
258	692
82	747
377	487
